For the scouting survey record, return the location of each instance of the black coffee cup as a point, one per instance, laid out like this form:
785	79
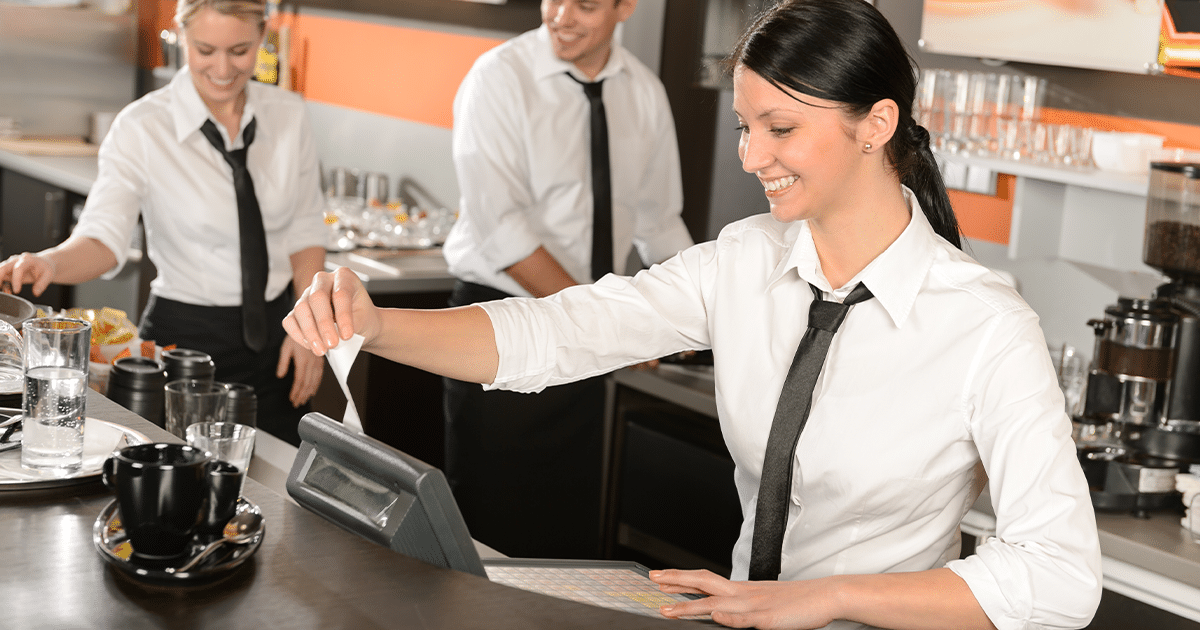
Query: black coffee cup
169	494
225	482
136	383
182	363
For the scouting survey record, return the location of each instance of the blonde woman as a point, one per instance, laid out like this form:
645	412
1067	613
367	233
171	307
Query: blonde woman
232	244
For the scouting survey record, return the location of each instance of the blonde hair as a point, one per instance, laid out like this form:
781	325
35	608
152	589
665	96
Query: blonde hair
251	11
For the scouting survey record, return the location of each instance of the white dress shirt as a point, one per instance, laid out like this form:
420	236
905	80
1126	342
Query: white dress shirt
940	383
154	161
522	155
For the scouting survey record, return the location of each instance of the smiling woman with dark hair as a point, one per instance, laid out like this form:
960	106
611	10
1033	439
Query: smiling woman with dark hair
861	442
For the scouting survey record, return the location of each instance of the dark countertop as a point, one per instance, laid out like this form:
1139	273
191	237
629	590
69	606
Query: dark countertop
308	573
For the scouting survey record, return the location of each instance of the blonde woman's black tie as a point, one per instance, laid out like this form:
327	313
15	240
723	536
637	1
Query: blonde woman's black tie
252	237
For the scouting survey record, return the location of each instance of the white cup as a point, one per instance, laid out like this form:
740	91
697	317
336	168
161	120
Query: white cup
101	122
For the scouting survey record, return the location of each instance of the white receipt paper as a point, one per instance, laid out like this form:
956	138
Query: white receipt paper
341	359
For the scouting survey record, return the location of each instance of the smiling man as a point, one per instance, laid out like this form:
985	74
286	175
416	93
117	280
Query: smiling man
540	123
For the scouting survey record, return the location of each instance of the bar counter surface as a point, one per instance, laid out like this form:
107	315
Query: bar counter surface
308	573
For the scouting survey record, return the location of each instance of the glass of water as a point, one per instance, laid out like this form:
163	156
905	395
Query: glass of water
56	377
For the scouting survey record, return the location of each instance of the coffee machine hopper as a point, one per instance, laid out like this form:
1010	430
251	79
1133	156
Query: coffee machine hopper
1141	418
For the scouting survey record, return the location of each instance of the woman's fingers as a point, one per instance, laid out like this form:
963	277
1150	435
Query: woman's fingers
346	287
25	269
302	323
324	314
701	581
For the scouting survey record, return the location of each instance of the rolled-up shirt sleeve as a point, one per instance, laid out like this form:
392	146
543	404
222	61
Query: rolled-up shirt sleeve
659	231
492	172
307	228
110	214
1042	568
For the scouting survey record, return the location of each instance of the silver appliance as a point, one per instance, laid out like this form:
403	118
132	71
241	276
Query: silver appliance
1141	417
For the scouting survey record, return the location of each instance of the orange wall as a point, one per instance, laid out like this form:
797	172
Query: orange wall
402	72
989	217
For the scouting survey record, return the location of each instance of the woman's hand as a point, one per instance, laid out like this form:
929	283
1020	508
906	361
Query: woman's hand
766	605
24	269
334	307
306	377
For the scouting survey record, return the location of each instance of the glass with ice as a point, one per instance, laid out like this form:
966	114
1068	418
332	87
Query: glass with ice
56	376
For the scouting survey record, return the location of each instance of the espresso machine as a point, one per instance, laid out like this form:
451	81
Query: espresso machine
1140	423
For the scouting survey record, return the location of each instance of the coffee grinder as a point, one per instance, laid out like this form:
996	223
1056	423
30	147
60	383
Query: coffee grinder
1141	418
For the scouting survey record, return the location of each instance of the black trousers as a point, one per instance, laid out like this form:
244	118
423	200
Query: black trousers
525	468
217	331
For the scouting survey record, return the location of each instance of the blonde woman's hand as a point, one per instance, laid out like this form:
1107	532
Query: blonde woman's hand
307	372
26	269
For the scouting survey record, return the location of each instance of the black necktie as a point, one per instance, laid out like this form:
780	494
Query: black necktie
602	246
252	236
775	487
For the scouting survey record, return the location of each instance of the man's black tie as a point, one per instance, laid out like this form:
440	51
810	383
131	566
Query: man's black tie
602	246
252	236
791	414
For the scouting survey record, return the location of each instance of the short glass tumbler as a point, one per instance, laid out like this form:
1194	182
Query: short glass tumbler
227	441
189	401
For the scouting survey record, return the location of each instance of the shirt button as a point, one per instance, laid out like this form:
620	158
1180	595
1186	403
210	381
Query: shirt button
796	500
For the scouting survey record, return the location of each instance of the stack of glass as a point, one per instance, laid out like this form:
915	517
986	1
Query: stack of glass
996	115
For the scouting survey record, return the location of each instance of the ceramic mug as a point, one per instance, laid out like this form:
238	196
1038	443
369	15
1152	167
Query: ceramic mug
169	495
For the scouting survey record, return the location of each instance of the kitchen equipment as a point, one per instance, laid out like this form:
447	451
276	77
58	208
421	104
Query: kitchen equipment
183	363
136	383
1124	152
1145	375
15	309
101	122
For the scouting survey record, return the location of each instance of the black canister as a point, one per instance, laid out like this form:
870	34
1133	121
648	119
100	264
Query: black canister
136	383
242	406
182	363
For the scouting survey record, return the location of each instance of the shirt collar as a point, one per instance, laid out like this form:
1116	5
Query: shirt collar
547	64
189	112
894	277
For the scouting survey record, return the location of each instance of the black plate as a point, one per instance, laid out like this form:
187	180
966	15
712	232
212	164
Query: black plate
109	537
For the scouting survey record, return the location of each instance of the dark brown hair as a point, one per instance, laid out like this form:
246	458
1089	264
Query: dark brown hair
846	51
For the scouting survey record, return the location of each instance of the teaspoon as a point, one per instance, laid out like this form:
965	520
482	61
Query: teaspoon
240	529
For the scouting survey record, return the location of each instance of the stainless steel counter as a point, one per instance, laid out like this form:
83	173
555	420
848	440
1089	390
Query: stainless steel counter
1152	560
396	271
75	174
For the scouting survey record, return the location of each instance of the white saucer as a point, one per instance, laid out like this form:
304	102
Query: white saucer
100	439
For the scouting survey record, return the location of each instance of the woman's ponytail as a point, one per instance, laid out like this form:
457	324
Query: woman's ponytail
912	157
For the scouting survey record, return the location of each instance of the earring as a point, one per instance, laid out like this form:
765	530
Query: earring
867	147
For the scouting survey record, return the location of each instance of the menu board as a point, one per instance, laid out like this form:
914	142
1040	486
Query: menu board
1117	35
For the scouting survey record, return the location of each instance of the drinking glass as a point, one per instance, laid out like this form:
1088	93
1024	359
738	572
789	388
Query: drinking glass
1192	516
12	366
227	441
1072	378
957	116
189	401
1081	147
54	408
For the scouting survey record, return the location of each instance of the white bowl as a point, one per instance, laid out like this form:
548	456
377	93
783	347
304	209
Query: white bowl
1124	152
